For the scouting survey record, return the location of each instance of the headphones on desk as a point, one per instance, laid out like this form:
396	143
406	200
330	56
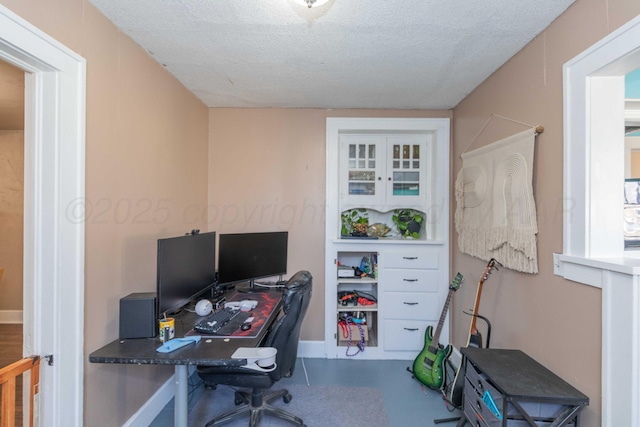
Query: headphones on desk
204	307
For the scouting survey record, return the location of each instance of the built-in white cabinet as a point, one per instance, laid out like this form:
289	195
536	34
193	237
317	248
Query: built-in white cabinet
380	165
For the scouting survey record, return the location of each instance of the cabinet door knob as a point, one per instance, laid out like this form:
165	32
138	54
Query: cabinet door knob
389	179
379	178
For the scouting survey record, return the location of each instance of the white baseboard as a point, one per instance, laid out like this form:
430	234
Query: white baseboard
312	349
10	316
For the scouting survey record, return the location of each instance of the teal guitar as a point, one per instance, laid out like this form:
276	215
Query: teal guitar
428	368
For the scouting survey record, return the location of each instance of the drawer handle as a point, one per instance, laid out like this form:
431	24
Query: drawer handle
479	406
410	329
410	280
410	303
480	386
410	257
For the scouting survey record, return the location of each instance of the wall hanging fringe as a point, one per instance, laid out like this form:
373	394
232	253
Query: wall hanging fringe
538	129
495	213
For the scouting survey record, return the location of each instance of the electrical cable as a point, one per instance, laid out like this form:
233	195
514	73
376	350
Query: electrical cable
304	369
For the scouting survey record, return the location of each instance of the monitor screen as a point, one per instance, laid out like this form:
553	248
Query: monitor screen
249	256
186	269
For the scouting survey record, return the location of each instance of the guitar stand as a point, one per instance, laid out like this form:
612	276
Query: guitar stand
488	326
452	419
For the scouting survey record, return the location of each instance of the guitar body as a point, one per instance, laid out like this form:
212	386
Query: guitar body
475	340
428	367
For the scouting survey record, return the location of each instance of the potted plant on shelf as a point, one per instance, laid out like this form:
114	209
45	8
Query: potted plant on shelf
408	222
354	222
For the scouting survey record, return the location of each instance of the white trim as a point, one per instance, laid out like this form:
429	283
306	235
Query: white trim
10	316
312	349
593	82
593	237
53	234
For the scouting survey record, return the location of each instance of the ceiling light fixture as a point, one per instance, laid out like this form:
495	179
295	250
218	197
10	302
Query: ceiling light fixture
312	3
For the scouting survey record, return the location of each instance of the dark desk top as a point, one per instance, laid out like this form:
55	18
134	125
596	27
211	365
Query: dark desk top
518	376
208	351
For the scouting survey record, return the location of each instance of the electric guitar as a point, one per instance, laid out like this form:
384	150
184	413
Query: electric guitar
473	340
428	367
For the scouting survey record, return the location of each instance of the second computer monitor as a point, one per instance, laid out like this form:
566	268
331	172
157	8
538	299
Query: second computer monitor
246	257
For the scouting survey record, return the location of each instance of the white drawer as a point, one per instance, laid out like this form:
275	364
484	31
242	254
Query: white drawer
412	280
410	305
418	257
404	335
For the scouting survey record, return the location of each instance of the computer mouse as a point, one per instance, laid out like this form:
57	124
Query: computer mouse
245	326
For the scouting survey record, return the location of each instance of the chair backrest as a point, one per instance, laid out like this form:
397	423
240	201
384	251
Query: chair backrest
285	333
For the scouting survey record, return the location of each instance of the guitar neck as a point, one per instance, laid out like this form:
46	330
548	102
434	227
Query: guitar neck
443	315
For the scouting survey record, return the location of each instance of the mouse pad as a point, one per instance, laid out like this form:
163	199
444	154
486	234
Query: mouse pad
266	302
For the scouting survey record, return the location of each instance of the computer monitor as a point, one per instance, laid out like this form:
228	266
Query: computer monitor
246	257
186	269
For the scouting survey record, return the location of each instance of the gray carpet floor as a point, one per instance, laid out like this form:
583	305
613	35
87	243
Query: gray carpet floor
406	402
317	405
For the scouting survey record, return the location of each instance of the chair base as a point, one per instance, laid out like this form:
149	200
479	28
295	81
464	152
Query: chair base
256	404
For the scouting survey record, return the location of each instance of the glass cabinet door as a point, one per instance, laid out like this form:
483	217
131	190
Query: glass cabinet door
362	165
407	167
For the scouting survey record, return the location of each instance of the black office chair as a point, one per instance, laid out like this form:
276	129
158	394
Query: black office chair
284	336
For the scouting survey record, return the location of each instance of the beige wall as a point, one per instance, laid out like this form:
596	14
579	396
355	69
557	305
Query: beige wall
267	173
11	185
146	160
11	97
11	218
558	322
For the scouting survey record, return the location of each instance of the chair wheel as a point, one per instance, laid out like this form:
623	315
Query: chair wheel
287	398
237	400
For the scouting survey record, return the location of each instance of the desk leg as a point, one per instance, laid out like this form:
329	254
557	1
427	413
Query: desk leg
180	402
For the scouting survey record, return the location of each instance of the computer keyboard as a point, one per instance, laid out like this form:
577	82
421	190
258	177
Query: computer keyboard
222	322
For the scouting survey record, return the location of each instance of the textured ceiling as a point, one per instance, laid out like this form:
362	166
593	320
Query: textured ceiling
396	54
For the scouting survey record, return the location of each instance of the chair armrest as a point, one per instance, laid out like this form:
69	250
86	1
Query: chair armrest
261	359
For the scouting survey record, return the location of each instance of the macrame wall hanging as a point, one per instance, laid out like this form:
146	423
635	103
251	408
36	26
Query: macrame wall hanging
496	213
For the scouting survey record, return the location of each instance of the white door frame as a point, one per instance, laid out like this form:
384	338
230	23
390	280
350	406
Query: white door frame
593	247
54	139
